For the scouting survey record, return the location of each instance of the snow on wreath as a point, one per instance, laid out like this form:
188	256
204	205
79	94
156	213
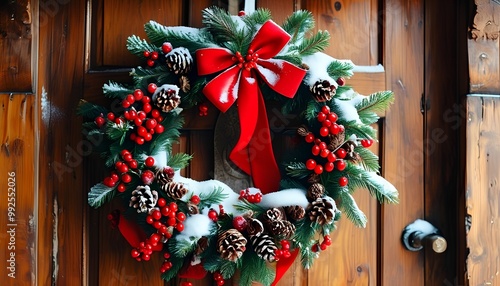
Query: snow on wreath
240	63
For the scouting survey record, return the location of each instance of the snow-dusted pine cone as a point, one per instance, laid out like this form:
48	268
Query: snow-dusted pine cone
264	246
273	214
282	228
254	227
143	199
336	140
175	190
351	154
201	245
166	97
184	84
179	60
164	176
231	244
295	212
322	211
193	209
323	91
315	191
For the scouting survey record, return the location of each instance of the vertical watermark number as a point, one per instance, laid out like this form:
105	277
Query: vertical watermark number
11	224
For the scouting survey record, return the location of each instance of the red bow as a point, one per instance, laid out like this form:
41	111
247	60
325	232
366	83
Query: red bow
253	152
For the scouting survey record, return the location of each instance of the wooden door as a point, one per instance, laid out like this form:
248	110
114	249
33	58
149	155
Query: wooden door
83	46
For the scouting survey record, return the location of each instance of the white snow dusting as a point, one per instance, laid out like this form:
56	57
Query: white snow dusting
347	110
195	226
387	187
283	198
368	69
49	111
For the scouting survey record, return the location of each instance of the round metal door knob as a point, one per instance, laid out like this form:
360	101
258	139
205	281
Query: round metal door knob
421	233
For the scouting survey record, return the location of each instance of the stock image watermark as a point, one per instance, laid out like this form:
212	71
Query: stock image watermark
11	224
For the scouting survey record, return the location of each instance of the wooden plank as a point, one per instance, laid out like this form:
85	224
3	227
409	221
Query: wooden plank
15	41
483	189
133	15
367	83
18	151
62	198
353	27
403	136
484	53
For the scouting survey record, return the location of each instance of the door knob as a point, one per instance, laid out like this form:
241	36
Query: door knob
420	233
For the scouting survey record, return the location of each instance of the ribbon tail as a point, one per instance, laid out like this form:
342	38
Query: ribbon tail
131	231
192	271
283	265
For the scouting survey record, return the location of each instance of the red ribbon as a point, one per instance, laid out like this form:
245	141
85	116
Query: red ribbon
253	152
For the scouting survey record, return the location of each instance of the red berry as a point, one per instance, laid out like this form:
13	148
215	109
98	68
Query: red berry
326	123
325	109
179	227
123	168
126	178
147	177
341	153
151	123
171	221
195	199
341	128
331	157
322	246
124	152
150	161
162	202
142	115
343	181
166	47
156	215
146	54
367	142
315	150
212	214
132	114
181	216
334	129
119	120
241	13
146	99
173	206
341	165
170	172
149	219
159	129
154	55
137	121
108	182
148	137
138	94
332	117
139	140
157	224
285	244
127	157
132	164
130	98
318	169
314	248
341	81
322	145
147	107
309	137
324	131
329	166
155	113
240	223
100	121
111	116
324	153
142	131
164	210
310	164
152	88
114	177
321	117
135	253
150	62
220	282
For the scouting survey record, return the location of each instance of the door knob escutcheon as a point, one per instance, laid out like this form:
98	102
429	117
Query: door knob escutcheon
421	233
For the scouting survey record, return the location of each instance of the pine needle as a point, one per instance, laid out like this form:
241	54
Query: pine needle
222	27
100	195
317	43
298	24
339	68
376	102
90	110
350	208
369	161
115	90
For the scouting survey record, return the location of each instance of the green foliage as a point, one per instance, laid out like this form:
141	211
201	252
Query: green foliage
117	131
190	38
349	207
228	268
222	27
179	161
359	129
116	90
172	123
369	161
259	17
244	205
307	256
182	247
376	102
89	110
298	24
137	46
214	197
144	76
317	43
177	263
297	170
360	178
255	269
339	68
99	195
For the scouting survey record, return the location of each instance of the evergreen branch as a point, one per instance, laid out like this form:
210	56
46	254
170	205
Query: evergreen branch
190	38
219	23
304	232
348	205
376	102
317	43
99	195
137	46
114	153
255	269
172	123
244	205
182	247
215	197
338	68
376	185
143	76
115	90
290	184
297	24
369	161
312	109
368	117
358	129
177	263
117	131
179	161
297	170
194	96
292	58
228	268
307	256
89	110
256	19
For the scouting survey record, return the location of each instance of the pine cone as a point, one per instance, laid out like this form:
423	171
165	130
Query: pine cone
179	60
336	140
201	245
164	176
254	227
184	84
175	190
295	212
351	154
143	199
231	244
302	131
193	209
264	246
322	211
323	91
315	191
166	97
282	228
274	214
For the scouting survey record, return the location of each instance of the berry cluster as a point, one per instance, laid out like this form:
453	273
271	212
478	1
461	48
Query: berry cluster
366	142
251	198
166	265
240	223
152	56
121	172
166	218
145	249
219	280
213	215
284	252
195	199
327	241
203	109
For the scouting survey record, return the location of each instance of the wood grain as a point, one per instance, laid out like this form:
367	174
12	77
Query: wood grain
483	201
18	151
403	162
15	41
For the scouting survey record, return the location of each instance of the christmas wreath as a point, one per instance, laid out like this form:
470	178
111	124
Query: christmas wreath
238	62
